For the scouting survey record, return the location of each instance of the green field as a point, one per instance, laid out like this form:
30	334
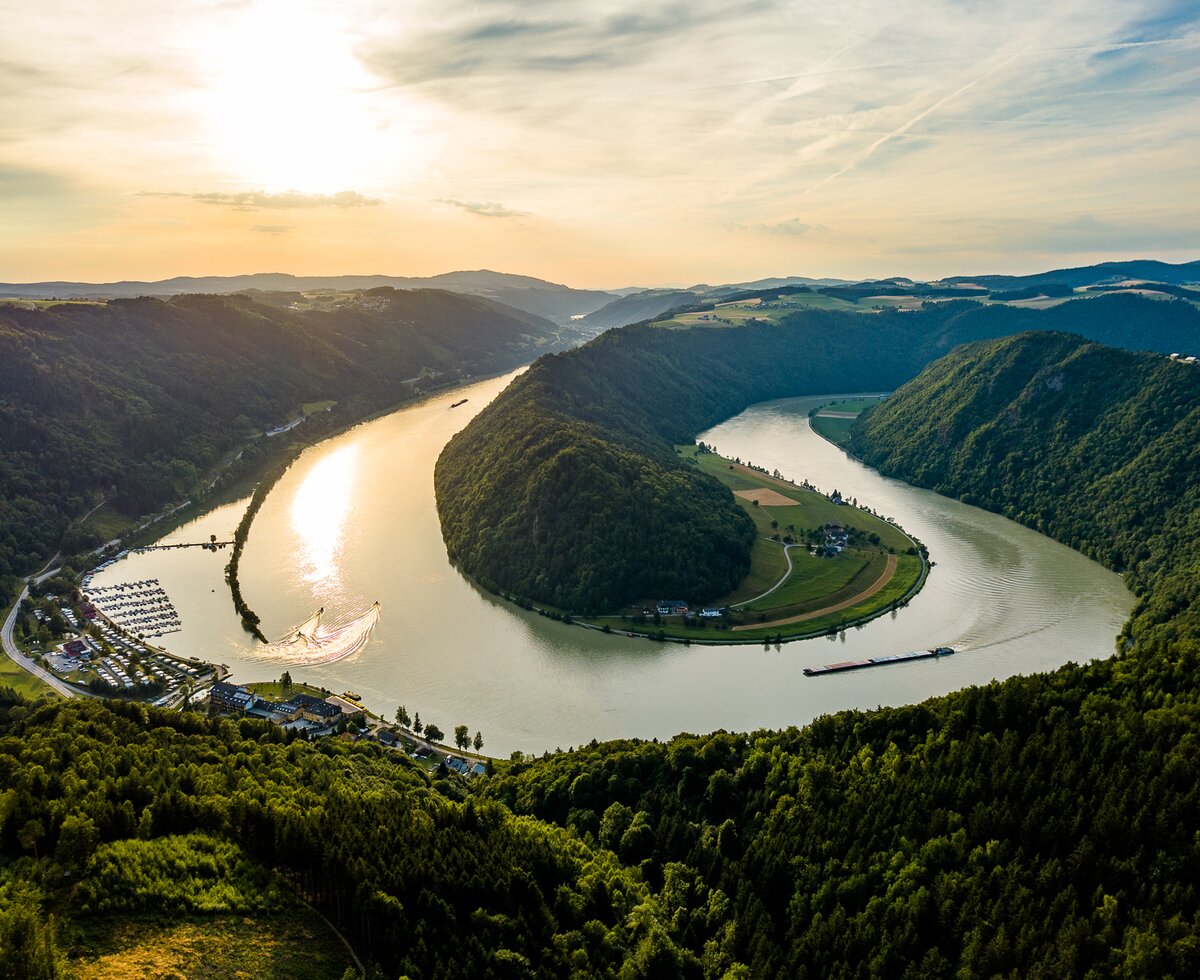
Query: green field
856	405
814	583
21	681
837	430
735	314
290	943
108	522
43	304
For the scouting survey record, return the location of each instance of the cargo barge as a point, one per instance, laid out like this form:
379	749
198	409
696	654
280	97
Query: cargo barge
890	658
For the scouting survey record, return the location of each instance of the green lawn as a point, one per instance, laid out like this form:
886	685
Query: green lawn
836	431
108	522
821	580
811	509
855	405
767	566
21	681
274	690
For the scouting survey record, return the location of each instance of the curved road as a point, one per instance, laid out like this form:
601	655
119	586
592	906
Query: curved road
786	554
14	653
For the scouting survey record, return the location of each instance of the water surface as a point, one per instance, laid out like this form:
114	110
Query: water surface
354	521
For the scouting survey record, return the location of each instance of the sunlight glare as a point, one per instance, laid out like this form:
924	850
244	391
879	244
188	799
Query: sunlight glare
291	107
319	512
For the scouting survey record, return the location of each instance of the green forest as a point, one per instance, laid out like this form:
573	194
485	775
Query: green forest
1093	446
1043	826
137	401
567	488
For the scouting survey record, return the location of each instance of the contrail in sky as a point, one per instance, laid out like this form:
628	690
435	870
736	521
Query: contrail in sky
901	130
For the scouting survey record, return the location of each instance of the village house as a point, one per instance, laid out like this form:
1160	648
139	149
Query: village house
230	696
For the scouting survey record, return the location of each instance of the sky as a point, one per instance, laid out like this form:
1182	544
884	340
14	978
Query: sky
597	143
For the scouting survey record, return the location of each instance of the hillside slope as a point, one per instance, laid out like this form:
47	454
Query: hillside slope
1090	445
1044	826
1088	275
637	307
136	399
567	488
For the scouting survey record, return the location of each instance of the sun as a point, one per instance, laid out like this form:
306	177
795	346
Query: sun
287	105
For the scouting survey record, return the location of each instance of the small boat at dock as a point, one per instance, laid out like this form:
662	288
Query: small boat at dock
890	658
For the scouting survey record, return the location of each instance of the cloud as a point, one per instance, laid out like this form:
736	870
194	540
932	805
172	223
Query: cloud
487	209
273	229
23	182
288	200
793	226
516	41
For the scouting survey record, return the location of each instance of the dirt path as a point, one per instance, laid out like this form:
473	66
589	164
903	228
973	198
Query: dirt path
889	569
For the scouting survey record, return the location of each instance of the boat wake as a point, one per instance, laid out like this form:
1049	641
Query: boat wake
313	642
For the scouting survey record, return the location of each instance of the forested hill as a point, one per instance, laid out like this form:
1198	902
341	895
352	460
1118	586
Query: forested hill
1044	826
566	489
1093	446
137	399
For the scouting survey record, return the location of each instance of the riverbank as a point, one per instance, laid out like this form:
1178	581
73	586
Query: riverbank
1009	599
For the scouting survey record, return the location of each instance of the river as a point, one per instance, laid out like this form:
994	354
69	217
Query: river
353	521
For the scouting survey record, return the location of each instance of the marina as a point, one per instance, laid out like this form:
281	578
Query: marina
141	607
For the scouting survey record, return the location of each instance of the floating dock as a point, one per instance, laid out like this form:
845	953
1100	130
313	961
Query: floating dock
890	658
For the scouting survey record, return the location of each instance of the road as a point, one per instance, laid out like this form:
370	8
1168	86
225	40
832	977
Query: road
14	653
787	553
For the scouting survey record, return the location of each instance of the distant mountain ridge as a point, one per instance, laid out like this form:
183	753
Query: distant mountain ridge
1150	270
551	300
598	309
636	307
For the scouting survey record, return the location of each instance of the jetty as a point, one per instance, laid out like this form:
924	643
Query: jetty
890	658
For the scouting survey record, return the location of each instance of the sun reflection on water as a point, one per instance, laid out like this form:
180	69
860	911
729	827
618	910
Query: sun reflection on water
319	512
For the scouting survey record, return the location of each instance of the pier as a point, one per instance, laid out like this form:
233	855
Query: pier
210	545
